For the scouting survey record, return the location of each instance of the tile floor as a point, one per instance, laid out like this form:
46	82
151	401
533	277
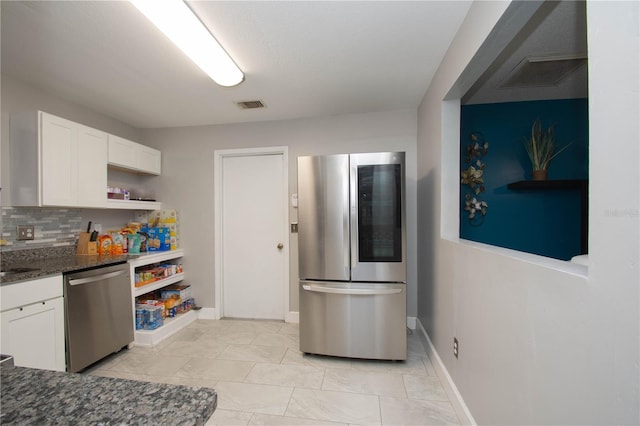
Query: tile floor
263	379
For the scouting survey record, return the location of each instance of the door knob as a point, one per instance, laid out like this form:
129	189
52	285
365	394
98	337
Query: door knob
280	246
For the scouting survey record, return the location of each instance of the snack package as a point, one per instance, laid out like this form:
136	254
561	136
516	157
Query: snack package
134	243
119	245
105	242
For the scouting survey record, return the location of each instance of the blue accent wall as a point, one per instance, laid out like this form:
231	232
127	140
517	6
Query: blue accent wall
540	222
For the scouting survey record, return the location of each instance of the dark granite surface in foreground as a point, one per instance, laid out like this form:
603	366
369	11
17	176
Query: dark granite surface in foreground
40	397
56	260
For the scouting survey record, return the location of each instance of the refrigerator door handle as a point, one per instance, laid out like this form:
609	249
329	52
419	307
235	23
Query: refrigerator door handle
353	215
352	291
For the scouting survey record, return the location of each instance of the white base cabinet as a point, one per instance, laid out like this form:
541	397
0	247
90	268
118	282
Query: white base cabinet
32	323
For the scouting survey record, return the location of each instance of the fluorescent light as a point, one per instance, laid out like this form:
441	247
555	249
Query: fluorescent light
182	27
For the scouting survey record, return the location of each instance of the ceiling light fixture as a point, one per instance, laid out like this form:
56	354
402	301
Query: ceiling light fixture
178	22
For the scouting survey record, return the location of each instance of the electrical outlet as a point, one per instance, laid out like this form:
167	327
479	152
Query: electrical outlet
25	232
455	347
97	227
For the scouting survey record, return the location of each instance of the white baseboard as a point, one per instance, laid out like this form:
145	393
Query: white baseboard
411	322
293	317
208	314
458	403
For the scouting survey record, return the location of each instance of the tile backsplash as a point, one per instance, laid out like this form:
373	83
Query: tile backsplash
53	227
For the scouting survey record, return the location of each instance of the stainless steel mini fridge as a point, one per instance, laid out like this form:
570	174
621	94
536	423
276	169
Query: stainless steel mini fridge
352	255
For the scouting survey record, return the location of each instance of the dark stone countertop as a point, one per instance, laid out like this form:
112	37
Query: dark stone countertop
41	397
52	262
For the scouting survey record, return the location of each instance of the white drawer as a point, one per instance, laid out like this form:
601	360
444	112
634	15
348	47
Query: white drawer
22	293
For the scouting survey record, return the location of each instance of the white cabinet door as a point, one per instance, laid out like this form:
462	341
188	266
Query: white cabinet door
59	161
133	156
149	160
34	335
92	167
122	152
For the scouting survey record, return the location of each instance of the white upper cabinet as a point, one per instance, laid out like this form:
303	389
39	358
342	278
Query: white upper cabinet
56	162
92	158
133	156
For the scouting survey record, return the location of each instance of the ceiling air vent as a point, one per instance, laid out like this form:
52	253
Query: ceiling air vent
542	71
250	104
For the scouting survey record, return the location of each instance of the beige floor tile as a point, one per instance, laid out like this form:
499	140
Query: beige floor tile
270	420
289	328
229	418
273	383
216	369
294	356
334	406
277	339
286	375
229	336
413	365
405	412
415	345
255	326
155	365
255	353
202	382
192	349
366	382
424	387
253	398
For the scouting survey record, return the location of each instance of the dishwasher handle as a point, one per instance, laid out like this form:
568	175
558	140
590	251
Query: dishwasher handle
352	291
80	281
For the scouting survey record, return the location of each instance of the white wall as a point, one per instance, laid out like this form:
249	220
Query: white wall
541	341
187	179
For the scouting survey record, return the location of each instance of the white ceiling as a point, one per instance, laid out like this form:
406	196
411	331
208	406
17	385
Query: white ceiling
558	29
302	59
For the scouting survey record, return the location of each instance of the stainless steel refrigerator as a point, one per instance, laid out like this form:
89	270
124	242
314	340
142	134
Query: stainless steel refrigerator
352	255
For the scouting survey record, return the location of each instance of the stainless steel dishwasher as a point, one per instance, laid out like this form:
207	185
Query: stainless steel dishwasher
98	314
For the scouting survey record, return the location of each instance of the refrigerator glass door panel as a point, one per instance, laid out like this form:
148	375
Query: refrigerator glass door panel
355	320
377	217
323	217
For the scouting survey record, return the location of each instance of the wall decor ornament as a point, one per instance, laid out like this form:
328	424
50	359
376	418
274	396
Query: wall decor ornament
473	178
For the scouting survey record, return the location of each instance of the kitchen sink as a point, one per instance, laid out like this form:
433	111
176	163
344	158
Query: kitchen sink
14	271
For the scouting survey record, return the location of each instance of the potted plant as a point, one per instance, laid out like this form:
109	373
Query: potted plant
541	149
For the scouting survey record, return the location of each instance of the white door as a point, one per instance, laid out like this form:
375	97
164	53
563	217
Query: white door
253	231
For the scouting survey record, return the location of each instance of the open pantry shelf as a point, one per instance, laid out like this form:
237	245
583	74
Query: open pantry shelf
171	326
139	291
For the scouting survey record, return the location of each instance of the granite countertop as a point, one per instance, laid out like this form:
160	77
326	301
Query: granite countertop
52	262
41	397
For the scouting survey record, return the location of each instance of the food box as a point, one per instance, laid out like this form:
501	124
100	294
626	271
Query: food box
181	290
158	239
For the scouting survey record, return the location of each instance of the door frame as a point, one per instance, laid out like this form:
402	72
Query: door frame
219	156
